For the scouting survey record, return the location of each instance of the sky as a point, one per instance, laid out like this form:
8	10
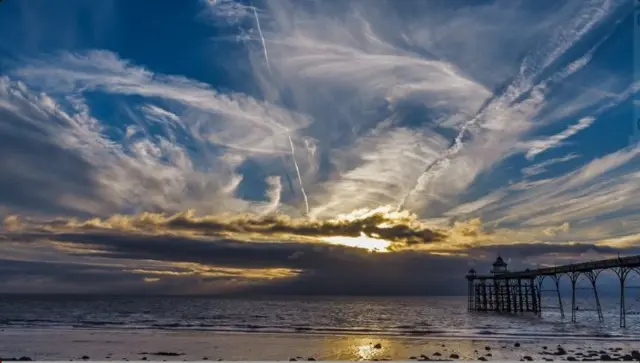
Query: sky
370	147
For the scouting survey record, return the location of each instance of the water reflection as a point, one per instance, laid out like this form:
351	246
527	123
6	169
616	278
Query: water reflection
370	348
363	348
367	351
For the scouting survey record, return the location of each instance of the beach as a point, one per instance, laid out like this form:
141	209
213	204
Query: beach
94	344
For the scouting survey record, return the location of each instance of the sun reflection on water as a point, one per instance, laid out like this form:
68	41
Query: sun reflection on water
367	351
365	348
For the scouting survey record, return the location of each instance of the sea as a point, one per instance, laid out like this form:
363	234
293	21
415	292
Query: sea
428	317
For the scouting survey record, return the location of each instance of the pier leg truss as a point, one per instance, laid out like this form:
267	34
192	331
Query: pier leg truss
521	291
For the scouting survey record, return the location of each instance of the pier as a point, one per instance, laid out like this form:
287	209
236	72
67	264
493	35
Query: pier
505	291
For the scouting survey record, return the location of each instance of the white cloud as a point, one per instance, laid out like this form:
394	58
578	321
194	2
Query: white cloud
143	173
599	190
228	10
539	146
542	167
468	208
377	170
147	170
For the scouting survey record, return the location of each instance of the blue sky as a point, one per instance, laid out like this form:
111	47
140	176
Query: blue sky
447	130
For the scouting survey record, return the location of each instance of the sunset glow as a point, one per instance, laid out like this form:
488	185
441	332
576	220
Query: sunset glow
363	241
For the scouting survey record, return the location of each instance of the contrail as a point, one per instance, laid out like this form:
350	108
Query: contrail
440	161
264	44
295	163
293	150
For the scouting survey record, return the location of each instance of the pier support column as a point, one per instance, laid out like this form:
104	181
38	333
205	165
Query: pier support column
470	298
520	295
496	294
535	298
573	276
484	295
539	280
516	297
622	273
507	292
556	279
593	276
528	290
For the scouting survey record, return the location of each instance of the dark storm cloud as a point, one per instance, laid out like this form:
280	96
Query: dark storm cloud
529	250
220	252
42	276
403	273
399	229
91	277
323	269
418	273
79	273
532	255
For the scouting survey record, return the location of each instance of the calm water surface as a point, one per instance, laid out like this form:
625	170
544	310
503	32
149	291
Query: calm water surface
417	317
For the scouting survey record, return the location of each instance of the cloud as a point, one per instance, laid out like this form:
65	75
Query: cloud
359	55
104	71
542	167
468	208
540	146
553	231
121	260
409	125
399	229
142	169
376	170
600	189
32	126
228	10
487	124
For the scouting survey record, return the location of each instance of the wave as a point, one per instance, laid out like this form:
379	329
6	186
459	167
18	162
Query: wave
397	331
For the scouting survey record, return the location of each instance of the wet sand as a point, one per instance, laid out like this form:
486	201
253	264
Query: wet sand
76	344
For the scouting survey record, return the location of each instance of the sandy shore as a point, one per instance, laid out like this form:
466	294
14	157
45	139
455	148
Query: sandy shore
58	344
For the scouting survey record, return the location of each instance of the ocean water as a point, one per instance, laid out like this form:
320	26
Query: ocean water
429	317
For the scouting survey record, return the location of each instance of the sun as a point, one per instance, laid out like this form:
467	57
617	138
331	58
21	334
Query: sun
363	241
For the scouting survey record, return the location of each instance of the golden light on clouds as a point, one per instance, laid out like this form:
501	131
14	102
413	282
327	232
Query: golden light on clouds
378	229
382	229
196	269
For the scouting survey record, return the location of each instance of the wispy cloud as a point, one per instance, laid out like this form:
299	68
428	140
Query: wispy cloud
229	10
214	123
542	167
540	146
602	188
427	107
